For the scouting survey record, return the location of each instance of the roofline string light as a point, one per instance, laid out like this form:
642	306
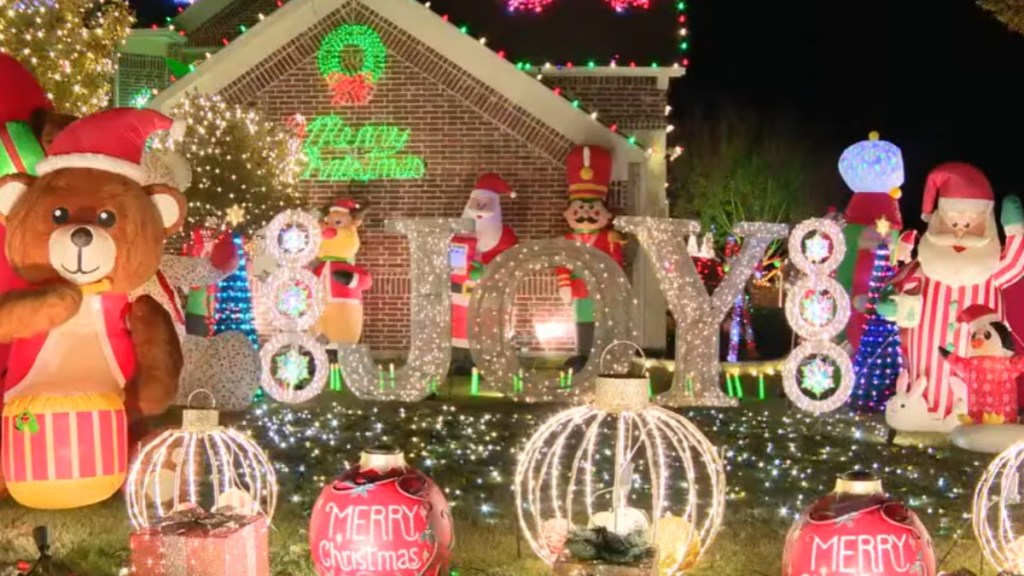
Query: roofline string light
525	67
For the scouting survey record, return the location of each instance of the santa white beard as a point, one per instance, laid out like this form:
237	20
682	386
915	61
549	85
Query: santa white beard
941	262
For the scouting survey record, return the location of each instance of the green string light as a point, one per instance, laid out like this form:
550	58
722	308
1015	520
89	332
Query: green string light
362	37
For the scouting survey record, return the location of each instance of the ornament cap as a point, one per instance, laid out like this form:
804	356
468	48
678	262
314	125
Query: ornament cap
198	420
858	483
382	458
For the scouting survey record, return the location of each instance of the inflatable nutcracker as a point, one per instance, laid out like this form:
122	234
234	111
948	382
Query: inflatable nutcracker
470	254
589	173
873	169
960	263
342	318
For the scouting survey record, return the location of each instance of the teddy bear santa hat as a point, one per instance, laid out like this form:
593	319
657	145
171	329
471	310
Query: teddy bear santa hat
346	205
961	188
112	141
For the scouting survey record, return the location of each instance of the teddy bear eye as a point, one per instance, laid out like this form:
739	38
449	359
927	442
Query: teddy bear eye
988	335
106	219
60	215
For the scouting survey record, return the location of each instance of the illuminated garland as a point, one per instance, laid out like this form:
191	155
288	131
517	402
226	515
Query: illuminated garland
352	86
70	46
245	167
538	6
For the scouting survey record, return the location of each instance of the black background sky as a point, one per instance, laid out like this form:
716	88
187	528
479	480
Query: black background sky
940	78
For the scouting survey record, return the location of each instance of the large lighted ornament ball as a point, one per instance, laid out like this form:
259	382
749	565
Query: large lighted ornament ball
998	512
626	465
202	464
381	518
858	530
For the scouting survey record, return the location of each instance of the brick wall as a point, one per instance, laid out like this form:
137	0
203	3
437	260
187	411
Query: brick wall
461	128
139	73
225	24
634	102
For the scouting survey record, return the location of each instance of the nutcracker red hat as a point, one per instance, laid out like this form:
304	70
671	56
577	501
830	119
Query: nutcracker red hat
960	184
344	205
589	171
976	313
113	140
21	95
494	183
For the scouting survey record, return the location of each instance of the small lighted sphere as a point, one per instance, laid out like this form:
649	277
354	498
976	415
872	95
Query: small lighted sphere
616	463
998	511
201	464
381	517
857	529
872	165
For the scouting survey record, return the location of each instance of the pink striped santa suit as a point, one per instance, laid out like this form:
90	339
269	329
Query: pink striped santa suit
938	312
959	264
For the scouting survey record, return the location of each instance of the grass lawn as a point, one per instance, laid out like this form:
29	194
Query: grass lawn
779	460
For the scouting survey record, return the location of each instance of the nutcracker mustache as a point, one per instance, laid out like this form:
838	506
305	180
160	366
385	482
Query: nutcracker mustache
587	220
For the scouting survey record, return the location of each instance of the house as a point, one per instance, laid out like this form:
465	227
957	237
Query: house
458	109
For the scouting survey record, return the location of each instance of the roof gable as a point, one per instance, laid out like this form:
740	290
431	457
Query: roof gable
497	88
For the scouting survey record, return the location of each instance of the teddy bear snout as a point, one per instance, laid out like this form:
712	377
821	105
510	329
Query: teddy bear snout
82	254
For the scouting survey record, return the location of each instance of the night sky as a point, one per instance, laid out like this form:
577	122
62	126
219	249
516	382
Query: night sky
940	78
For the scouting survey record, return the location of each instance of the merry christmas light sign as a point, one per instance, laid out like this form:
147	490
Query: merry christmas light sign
340	151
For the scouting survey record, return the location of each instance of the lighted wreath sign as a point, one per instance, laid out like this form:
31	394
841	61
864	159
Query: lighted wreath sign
352	87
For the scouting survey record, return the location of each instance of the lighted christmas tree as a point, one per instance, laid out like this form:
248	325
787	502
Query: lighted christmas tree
70	46
245	167
234	299
878	362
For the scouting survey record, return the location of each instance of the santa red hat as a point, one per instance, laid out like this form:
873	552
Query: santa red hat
21	95
112	140
976	313
589	172
344	205
493	183
959	184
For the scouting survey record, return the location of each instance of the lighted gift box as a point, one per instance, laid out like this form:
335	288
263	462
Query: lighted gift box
234	549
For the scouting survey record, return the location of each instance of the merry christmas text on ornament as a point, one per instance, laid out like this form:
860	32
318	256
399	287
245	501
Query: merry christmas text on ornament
392	537
342	152
861	554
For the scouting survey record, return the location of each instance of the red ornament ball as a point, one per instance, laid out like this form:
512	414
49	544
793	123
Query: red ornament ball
858	530
381	517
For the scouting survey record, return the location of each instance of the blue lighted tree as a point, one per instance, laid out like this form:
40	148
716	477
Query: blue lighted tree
234	299
879	361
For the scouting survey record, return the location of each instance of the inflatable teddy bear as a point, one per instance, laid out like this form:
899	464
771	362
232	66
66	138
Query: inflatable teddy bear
83	360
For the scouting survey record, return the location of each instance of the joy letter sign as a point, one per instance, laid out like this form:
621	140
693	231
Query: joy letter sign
367	524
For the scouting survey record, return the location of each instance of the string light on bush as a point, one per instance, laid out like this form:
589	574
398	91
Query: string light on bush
70	46
491	323
698	316
429	313
625	465
818	309
240	160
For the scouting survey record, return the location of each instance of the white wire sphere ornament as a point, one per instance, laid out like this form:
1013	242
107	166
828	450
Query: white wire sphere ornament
294	367
293	299
998	511
624	464
817	246
202	464
293	237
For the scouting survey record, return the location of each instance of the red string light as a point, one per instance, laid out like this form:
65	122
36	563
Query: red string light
539	5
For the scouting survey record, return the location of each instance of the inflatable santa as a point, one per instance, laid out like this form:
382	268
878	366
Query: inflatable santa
873	170
470	254
960	263
589	174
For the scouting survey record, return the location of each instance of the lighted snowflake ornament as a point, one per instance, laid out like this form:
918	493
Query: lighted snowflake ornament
817	248
817	376
818	308
292	368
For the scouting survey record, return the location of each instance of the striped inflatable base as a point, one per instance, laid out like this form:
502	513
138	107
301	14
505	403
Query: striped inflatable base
61	452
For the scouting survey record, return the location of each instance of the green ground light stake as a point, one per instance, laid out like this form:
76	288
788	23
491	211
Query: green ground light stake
391	375
381	374
729	385
760	385
335	378
739	386
474	383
